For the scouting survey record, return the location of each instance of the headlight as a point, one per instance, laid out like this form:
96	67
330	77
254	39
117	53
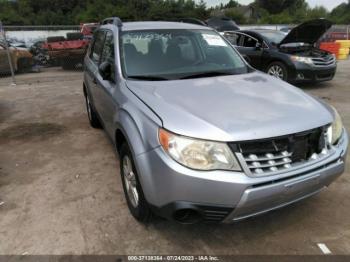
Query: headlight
334	132
198	154
301	59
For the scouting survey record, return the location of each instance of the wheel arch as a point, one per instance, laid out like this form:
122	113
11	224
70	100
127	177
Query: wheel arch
127	130
84	89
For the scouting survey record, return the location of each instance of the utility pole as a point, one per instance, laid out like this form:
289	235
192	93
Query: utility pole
3	35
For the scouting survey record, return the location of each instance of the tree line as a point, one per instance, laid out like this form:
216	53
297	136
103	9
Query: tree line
69	12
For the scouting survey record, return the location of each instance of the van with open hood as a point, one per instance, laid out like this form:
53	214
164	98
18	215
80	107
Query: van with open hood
293	57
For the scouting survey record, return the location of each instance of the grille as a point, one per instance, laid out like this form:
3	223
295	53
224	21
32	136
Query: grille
326	61
278	154
215	214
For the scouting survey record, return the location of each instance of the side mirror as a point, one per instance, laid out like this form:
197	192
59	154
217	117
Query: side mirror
258	46
105	70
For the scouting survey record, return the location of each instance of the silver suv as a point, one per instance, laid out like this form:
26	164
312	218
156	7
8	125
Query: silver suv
200	134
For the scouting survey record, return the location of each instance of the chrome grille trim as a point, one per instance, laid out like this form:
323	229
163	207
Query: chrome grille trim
293	166
330	60
262	160
272	157
259	164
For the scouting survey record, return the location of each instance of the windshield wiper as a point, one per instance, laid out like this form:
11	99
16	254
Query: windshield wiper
206	74
148	77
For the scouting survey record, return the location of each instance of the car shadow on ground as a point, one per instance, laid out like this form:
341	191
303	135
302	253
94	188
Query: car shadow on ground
316	85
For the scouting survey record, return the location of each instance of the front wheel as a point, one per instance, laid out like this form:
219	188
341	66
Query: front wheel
92	115
278	70
135	199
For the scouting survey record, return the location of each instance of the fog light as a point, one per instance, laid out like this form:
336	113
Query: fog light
300	76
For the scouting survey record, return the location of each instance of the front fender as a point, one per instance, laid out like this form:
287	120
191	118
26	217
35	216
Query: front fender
140	128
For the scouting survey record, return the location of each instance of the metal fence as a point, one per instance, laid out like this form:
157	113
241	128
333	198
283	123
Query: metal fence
33	49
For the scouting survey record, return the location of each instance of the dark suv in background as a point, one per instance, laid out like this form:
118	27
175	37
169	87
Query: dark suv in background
292	57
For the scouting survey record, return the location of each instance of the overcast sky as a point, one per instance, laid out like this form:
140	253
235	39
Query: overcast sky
329	4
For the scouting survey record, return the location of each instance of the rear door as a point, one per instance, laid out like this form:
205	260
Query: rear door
249	47
237	40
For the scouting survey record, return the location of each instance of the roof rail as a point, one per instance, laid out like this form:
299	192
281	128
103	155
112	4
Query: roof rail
112	20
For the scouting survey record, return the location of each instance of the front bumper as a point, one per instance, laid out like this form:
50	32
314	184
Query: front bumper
169	186
309	73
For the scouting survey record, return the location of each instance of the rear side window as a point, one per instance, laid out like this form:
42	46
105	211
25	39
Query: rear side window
97	47
249	41
234	39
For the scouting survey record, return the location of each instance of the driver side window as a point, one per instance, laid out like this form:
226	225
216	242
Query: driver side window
95	54
108	52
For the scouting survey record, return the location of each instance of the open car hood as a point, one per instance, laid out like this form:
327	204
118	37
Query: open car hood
309	32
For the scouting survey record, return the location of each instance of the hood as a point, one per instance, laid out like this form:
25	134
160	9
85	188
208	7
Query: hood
23	52
232	108
308	32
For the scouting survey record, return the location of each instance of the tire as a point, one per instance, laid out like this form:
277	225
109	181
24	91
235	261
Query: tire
278	70
67	64
92	115
135	199
75	36
24	65
53	39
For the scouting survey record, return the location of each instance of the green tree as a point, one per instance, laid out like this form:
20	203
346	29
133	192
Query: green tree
231	4
236	16
341	14
279	6
317	12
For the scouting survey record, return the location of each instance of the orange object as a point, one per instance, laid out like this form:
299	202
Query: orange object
331	47
164	138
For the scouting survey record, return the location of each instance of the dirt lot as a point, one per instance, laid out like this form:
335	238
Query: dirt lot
62	191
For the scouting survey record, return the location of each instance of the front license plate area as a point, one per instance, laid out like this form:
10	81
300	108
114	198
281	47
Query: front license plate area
303	186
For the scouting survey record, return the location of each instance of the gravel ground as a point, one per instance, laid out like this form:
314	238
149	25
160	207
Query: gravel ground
62	192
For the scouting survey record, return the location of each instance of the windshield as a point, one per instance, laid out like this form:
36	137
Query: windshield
178	54
273	36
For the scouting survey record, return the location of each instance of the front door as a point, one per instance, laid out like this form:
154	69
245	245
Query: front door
106	88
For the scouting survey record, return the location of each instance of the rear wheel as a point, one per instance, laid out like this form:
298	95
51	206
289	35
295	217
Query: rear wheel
67	63
92	115
278	70
24	64
135	199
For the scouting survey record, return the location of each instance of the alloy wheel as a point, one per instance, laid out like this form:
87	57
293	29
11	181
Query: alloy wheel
130	181
276	71
88	107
